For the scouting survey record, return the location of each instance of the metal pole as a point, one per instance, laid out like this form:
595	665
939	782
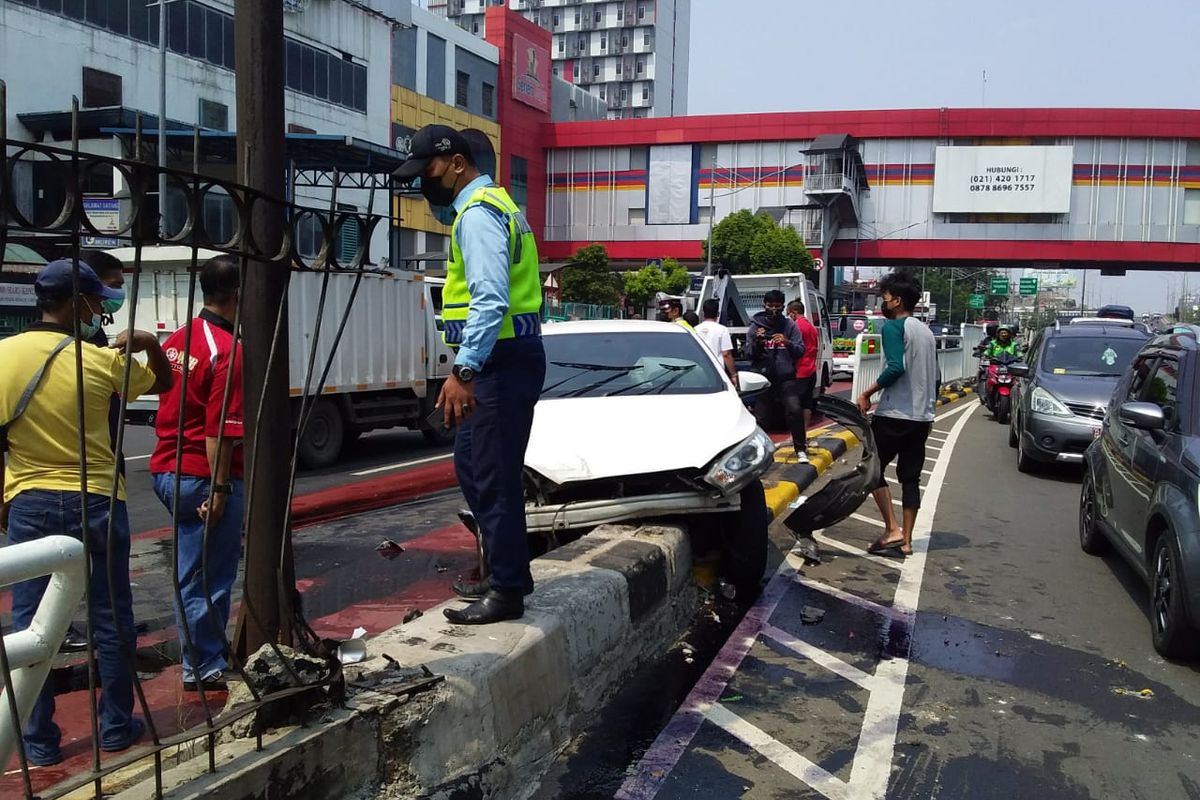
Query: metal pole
712	213
270	574
162	119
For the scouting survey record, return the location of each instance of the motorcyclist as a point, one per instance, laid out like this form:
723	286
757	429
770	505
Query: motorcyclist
1004	343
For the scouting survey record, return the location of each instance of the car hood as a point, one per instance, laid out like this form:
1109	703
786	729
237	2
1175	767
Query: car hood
590	438
1095	391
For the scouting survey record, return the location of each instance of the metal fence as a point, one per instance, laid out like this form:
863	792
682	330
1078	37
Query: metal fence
23	654
563	312
956	358
868	362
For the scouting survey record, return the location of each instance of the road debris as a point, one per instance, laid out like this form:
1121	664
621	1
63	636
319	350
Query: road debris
811	615
389	549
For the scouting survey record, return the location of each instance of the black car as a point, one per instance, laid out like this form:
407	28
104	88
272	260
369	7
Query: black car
1141	485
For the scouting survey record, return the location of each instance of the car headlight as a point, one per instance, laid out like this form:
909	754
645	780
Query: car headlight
742	463
1042	402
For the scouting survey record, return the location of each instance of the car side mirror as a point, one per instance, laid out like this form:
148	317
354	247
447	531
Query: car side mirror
1019	370
1144	416
751	383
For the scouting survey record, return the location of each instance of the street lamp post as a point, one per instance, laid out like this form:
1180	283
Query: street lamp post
712	214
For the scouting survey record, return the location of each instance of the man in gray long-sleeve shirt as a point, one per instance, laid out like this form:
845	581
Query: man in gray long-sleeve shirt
906	411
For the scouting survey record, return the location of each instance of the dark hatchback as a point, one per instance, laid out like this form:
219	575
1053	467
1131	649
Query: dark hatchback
1141	486
1065	388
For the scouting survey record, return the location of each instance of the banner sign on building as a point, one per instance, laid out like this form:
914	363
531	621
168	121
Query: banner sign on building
17	294
105	215
531	73
1003	180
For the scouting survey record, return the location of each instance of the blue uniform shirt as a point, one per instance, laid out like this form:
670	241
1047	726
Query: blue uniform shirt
483	240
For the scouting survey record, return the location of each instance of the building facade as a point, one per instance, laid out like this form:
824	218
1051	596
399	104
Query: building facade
1106	188
633	54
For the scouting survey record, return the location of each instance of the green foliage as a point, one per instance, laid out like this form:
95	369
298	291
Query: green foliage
745	242
676	279
587	278
936	281
641	286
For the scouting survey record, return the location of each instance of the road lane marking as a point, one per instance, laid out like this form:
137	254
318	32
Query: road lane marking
868	520
855	551
402	465
815	654
136	458
876	741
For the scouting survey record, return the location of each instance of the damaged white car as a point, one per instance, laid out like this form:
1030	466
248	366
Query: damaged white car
637	420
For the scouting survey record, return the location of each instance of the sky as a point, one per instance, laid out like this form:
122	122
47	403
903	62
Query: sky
804	55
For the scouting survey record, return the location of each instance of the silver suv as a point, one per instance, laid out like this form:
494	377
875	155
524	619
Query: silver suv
1141	485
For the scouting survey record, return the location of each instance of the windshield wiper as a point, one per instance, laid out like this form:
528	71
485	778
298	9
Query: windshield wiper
584	368
681	369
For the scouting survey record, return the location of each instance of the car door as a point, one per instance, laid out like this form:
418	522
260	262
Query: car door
1124	495
1147	448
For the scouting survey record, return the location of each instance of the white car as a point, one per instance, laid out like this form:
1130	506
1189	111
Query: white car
637	420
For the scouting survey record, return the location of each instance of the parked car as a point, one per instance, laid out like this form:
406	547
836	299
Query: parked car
1064	390
637	420
1141	483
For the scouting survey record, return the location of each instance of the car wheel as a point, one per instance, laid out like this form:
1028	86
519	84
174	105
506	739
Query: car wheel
1012	432
1173	637
1091	540
744	543
322	441
1004	409
1025	464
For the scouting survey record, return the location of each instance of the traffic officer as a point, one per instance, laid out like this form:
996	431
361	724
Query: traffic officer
491	307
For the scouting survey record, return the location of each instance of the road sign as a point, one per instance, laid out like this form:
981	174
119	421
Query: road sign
999	285
1029	286
818	264
976	301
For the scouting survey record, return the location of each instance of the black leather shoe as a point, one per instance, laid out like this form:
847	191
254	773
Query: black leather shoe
473	590
73	642
468	521
494	606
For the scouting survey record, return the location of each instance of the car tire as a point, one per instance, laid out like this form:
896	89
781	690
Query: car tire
1004	409
323	437
1025	464
1172	635
1012	432
1091	540
744	543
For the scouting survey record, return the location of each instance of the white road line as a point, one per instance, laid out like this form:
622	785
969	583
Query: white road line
779	753
851	598
926	472
136	458
403	464
819	656
872	765
855	551
866	519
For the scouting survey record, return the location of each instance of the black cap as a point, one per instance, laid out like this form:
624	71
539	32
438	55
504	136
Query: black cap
54	282
427	143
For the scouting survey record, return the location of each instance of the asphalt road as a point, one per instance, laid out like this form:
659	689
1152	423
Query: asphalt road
373	452
997	662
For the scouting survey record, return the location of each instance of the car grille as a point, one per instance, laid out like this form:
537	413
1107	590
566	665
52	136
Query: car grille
1086	410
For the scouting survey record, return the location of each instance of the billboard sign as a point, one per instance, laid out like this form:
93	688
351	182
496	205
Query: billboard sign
531	73
975	301
1003	180
17	294
1029	286
999	285
105	215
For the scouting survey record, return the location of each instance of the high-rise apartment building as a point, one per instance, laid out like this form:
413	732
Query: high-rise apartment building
632	53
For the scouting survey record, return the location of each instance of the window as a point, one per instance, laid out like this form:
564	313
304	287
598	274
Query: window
308	236
637	216
598	16
646	39
1162	390
462	88
641	66
435	68
556	71
645	92
489	100
518	181
347	237
595	71
213	115
620	13
1192	157
577	18
603	42
475	28
641	11
557	21
624	94
562	44
631	364
100	89
1191	206
1089	356
639	157
619	68
218	216
601	92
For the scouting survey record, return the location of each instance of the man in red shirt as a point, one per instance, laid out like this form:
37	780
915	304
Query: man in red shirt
806	365
198	476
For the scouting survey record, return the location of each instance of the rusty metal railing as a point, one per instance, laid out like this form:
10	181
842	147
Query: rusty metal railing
140	229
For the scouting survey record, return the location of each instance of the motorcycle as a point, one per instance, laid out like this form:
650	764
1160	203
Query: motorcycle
997	393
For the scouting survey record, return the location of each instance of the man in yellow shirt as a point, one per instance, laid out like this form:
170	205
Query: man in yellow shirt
43	476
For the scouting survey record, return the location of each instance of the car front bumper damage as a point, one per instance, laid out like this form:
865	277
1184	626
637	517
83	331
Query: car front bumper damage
590	513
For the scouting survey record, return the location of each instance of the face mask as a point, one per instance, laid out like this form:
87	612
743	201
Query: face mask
113	305
772	313
87	330
437	193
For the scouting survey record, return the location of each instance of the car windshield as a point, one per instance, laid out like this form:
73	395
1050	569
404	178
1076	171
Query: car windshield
624	364
1089	356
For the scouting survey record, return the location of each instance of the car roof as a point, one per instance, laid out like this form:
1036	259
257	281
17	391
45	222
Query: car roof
613	326
1095	329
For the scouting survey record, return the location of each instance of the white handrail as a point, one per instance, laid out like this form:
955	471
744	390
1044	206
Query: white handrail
868	362
31	651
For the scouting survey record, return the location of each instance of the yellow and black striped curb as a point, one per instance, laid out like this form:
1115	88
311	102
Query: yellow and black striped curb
788	478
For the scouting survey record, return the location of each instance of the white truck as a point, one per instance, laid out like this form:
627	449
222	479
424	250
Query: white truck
388	368
741	297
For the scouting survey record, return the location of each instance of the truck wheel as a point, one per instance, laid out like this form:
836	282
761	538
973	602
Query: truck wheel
744	542
322	442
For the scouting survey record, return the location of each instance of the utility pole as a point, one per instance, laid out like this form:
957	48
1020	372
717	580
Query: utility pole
712	213
270	574
162	120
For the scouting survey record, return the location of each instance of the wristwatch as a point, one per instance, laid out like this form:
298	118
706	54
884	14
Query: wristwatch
464	374
221	488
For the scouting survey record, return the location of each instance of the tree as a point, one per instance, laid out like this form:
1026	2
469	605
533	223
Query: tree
745	242
779	249
641	286
587	278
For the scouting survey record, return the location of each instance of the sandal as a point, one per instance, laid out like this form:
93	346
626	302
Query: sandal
882	546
